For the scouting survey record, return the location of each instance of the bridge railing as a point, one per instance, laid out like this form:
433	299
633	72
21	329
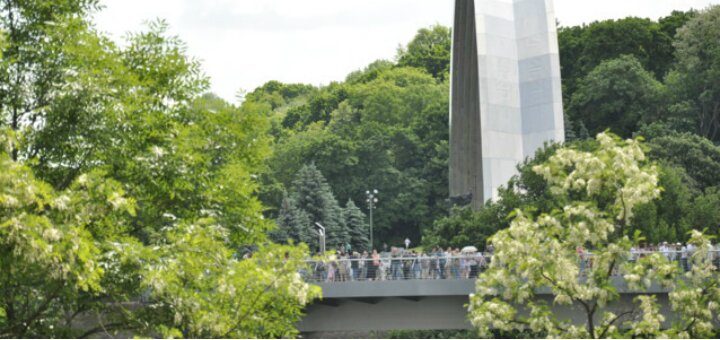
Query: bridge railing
435	267
397	268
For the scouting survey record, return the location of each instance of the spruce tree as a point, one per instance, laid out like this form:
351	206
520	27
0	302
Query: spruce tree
357	226
294	223
570	134
583	134
312	194
343	233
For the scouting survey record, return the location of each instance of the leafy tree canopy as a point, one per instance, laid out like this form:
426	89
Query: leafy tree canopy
618	94
693	81
126	195
599	192
429	50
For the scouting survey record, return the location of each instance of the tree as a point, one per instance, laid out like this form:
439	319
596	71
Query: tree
583	48
465	227
598	192
693	84
618	94
699	156
370	72
429	50
31	72
526	190
570	134
294	223
673	22
704	211
386	126
51	246
125	191
356	222
196	296
313	195
667	219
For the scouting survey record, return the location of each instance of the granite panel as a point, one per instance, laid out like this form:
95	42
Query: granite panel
517	79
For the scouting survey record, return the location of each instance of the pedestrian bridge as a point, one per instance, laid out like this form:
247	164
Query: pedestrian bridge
420	305
387	298
389	305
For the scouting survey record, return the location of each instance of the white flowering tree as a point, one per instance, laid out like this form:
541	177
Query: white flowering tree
598	191
198	289
126	196
50	246
69	268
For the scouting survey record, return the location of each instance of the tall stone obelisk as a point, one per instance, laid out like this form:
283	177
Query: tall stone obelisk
505	98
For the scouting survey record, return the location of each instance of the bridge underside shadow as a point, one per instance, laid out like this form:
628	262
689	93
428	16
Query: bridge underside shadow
389	305
428	305
383	314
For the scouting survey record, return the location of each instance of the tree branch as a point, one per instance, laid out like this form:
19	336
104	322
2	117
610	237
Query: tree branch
616	318
590	311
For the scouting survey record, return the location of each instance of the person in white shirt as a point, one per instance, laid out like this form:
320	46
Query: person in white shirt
665	250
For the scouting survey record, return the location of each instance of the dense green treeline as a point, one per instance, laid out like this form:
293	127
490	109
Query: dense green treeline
123	181
385	127
628	76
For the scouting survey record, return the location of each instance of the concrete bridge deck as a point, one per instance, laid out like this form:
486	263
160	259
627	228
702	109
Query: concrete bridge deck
422	305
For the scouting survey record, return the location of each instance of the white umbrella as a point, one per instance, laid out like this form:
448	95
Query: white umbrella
469	249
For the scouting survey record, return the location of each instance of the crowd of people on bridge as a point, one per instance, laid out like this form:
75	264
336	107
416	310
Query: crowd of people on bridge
400	264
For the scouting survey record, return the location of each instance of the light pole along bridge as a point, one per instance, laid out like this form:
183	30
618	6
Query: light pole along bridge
425	302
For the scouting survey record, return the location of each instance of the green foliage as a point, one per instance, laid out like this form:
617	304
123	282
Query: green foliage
201	296
582	48
312	195
395	96
704	211
617	94
466	227
385	128
527	190
667	219
278	94
50	245
370	72
293	223
357	225
686	177
673	22
693	83
699	156
599	193
125	194
311	200
429	50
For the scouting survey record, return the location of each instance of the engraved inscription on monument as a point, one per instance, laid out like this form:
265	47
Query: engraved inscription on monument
505	92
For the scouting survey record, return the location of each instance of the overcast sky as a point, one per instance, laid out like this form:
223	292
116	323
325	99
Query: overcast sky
244	43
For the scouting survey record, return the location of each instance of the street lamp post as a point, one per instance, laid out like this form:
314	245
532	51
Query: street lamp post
371	201
321	234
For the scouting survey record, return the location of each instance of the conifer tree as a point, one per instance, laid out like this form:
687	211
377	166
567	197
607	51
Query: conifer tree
583	131
312	194
357	226
293	223
570	134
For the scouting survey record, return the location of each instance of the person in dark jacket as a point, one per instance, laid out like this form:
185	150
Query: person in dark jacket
354	266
